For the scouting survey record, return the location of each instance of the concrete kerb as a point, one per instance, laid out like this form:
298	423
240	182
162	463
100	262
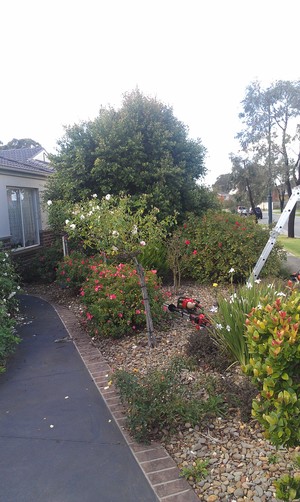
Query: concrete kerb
158	467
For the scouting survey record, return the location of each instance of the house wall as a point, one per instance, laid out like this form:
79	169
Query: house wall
19	182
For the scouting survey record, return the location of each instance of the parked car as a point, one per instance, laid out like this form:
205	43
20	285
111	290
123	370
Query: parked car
258	212
242	210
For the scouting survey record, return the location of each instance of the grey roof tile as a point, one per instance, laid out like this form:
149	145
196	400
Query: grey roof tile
23	159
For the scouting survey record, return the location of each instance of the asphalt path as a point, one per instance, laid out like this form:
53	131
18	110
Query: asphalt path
58	440
275	218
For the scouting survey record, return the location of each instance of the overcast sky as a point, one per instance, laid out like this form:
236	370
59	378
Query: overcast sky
62	59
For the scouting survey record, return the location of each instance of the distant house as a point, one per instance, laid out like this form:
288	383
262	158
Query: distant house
23	174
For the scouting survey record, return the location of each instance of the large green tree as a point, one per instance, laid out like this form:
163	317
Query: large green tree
269	136
141	148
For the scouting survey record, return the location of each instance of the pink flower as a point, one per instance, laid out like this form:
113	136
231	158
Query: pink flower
187	242
89	316
82	293
195	251
112	297
120	314
137	311
154	271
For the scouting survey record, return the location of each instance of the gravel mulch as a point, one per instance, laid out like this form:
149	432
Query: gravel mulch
242	465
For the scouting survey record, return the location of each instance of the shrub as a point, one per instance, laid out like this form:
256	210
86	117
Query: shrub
73	271
223	240
288	487
160	400
42	266
113	300
8	306
273	338
203	348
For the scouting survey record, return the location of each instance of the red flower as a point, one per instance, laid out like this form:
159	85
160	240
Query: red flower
187	242
89	316
195	251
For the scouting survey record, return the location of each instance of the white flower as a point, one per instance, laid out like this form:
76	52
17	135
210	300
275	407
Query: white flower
66	222
82	216
72	226
257	281
228	327
280	293
94	195
219	326
213	309
134	230
231	270
115	233
11	295
232	298
249	285
259	306
49	202
114	248
143	243
108	196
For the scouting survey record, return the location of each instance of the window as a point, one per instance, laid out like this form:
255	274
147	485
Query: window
23	217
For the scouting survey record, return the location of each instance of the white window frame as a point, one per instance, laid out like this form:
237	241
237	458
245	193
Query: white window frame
36	216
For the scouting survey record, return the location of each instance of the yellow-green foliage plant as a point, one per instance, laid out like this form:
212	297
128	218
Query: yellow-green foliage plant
273	339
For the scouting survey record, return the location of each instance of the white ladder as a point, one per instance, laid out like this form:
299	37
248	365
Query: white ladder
294	198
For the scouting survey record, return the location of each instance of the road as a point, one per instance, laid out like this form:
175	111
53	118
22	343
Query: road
276	217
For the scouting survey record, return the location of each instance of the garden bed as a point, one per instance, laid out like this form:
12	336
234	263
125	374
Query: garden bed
241	464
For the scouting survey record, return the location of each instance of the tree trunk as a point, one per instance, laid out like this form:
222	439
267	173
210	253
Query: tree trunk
149	322
291	223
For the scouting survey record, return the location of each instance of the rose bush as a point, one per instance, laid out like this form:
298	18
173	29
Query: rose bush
112	299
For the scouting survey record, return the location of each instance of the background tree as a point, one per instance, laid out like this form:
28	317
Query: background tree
248	179
139	149
223	183
19	143
270	120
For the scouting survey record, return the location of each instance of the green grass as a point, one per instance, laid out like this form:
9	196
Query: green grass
290	245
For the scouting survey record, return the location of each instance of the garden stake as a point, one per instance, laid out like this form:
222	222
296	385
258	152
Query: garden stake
150	331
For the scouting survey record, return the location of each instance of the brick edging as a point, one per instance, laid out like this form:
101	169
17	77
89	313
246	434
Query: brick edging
157	465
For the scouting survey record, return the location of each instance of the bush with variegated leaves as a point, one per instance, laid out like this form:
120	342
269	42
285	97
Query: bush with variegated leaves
273	337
